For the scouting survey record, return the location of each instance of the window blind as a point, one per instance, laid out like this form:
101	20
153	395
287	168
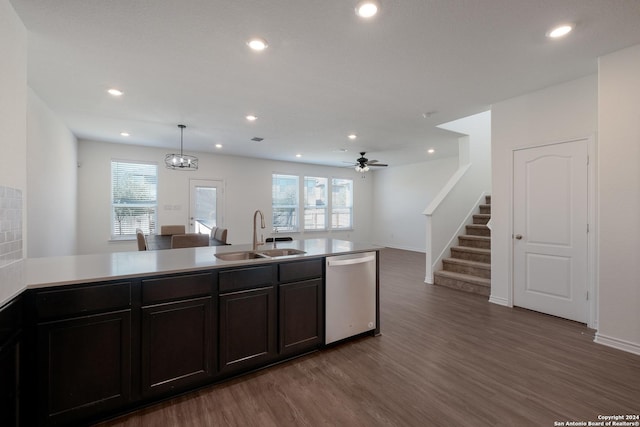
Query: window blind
133	198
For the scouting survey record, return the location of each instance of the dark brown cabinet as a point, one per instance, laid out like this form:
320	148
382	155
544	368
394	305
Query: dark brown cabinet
247	316
89	351
247	329
83	362
10	348
300	316
300	306
86	362
177	337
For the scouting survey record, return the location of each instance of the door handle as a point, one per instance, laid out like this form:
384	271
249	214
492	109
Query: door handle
518	236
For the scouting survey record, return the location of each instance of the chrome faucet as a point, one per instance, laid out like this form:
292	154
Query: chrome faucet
255	236
275	231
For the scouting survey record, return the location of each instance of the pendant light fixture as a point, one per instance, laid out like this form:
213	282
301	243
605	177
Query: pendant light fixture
183	162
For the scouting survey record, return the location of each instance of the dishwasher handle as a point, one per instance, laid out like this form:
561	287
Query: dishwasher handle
350	261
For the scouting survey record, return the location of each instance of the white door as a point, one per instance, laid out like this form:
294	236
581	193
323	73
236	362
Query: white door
550	213
205	205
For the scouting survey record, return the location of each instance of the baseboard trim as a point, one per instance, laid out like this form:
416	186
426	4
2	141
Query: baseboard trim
499	301
617	343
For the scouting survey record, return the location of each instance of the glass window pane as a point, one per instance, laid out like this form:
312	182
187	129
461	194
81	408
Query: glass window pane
204	217
285	200
133	198
341	203
315	203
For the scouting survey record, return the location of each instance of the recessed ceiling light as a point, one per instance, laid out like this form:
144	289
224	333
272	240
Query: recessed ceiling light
560	31
251	118
218	145
115	92
124	133
352	136
298	155
258	44
431	151
367	8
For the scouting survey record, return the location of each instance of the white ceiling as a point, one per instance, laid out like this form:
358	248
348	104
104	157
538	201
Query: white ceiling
326	73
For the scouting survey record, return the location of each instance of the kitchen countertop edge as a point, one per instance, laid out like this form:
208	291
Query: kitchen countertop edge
94	268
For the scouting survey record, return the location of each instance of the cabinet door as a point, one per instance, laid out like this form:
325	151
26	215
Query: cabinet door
247	329
10	348
300	310
84	366
9	384
177	345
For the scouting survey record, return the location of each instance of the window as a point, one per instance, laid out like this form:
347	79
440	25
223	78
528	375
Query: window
285	201
320	212
133	198
315	203
341	203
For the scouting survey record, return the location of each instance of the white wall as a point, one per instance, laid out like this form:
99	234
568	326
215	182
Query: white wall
247	188
401	193
52	181
559	113
13	139
619	199
454	205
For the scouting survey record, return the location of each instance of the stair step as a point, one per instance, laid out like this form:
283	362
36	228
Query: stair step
474	268
481	218
478	230
485	209
483	242
463	282
471	254
488	199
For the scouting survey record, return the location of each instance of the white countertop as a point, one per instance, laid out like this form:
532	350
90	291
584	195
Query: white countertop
67	270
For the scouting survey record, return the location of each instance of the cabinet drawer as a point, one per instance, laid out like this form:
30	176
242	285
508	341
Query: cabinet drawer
300	270
85	299
176	287
245	278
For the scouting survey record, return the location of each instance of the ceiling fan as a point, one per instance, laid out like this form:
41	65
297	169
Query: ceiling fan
362	164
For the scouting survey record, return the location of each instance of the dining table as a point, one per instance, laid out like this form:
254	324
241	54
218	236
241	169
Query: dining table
157	242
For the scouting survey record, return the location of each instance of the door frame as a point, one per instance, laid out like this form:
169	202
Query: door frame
592	236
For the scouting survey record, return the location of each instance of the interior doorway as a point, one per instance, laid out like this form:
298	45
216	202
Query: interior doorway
550	229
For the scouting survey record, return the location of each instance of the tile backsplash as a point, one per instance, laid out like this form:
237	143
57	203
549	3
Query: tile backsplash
11	262
10	225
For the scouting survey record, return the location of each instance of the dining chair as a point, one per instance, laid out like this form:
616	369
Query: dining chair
190	240
142	243
167	230
219	235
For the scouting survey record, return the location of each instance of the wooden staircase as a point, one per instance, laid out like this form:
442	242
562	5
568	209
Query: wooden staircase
469	268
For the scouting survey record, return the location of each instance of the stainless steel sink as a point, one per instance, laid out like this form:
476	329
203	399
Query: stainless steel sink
281	252
267	253
239	256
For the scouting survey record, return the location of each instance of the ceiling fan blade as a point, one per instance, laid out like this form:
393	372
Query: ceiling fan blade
377	164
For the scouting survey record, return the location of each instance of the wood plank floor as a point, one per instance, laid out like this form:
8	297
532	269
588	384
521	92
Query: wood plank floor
445	358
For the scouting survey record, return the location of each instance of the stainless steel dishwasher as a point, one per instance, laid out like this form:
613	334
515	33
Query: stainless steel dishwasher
350	304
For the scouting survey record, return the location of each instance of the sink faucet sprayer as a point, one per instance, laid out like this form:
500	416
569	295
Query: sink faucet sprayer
255	236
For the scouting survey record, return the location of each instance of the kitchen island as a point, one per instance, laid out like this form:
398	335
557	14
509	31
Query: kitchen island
106	334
